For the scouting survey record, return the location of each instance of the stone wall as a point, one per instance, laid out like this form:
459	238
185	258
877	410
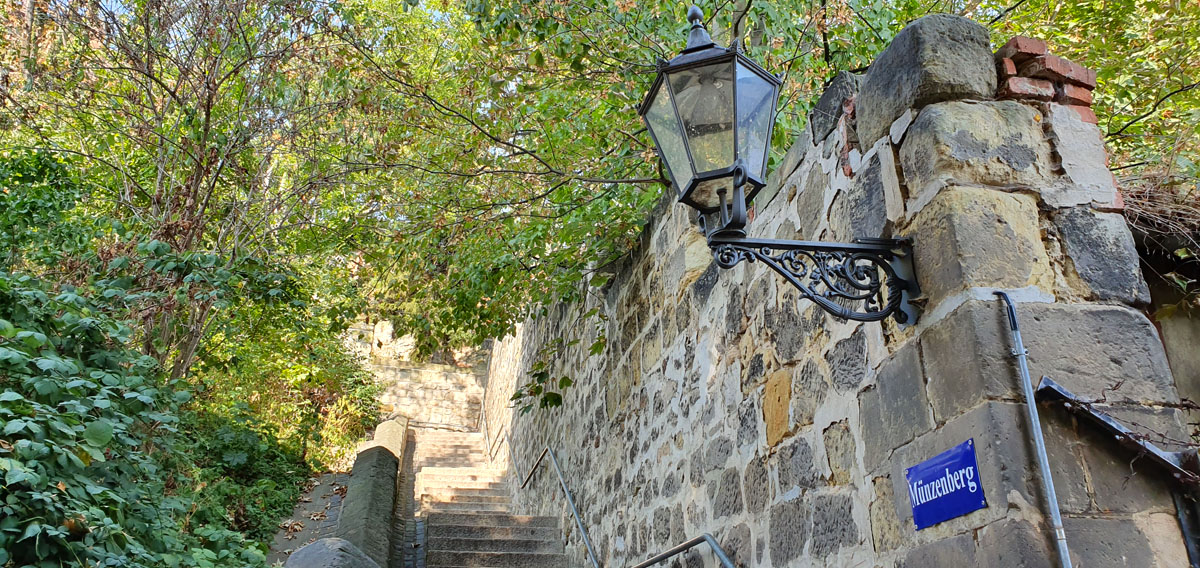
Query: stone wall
447	392
725	404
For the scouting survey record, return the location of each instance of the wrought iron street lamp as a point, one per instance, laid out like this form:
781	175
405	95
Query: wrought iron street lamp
711	111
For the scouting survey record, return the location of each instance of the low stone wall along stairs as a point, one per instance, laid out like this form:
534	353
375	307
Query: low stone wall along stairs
462	514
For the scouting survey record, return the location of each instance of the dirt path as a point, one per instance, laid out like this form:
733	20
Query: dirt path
315	516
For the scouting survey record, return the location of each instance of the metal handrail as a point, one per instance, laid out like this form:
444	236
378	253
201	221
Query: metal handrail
570	500
712	542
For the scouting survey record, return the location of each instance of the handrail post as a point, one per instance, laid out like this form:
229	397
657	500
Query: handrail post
574	511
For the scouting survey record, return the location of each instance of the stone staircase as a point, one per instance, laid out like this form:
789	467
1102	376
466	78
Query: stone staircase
463	510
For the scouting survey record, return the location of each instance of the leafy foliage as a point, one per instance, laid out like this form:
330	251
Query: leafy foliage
89	430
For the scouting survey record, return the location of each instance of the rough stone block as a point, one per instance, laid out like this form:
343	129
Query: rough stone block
1055	68
789	531
999	143
727	495
861	210
1088	349
809	388
972	237
1102	251
1007	472
757	485
1021	49
367	509
1013	543
833	524
848	361
777	399
936	58
330	553
1115	543
828	110
896	410
810	204
794	462
1027	88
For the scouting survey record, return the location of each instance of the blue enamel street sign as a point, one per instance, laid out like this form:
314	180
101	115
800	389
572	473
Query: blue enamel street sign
945	486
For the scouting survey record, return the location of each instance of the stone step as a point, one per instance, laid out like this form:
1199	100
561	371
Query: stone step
444	507
460	544
447	492
460	484
492	532
490	520
436	558
458	497
450	478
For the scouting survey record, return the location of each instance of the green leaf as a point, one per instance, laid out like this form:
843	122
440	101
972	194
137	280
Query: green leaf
565	382
7	331
98	433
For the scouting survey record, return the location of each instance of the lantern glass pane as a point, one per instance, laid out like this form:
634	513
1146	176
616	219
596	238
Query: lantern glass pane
660	118
704	99
755	111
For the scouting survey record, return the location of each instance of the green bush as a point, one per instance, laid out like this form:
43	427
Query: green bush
94	470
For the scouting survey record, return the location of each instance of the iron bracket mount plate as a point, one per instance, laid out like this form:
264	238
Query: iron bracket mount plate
867	280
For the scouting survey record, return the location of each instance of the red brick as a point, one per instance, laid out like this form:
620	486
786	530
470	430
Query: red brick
1085	113
1026	88
1055	68
1021	49
1006	67
1069	94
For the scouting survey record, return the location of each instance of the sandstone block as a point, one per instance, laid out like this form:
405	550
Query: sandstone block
896	410
954	551
840	453
1021	49
1007	472
1110	542
330	553
777	399
1103	254
998	143
971	237
1121	482
828	110
936	58
1084	160
886	531
1014	542
848	361
1088	349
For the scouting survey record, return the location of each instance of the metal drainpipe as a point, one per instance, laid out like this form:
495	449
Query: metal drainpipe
1019	351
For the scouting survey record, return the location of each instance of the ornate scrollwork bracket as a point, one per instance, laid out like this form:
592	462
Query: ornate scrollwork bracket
867	280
